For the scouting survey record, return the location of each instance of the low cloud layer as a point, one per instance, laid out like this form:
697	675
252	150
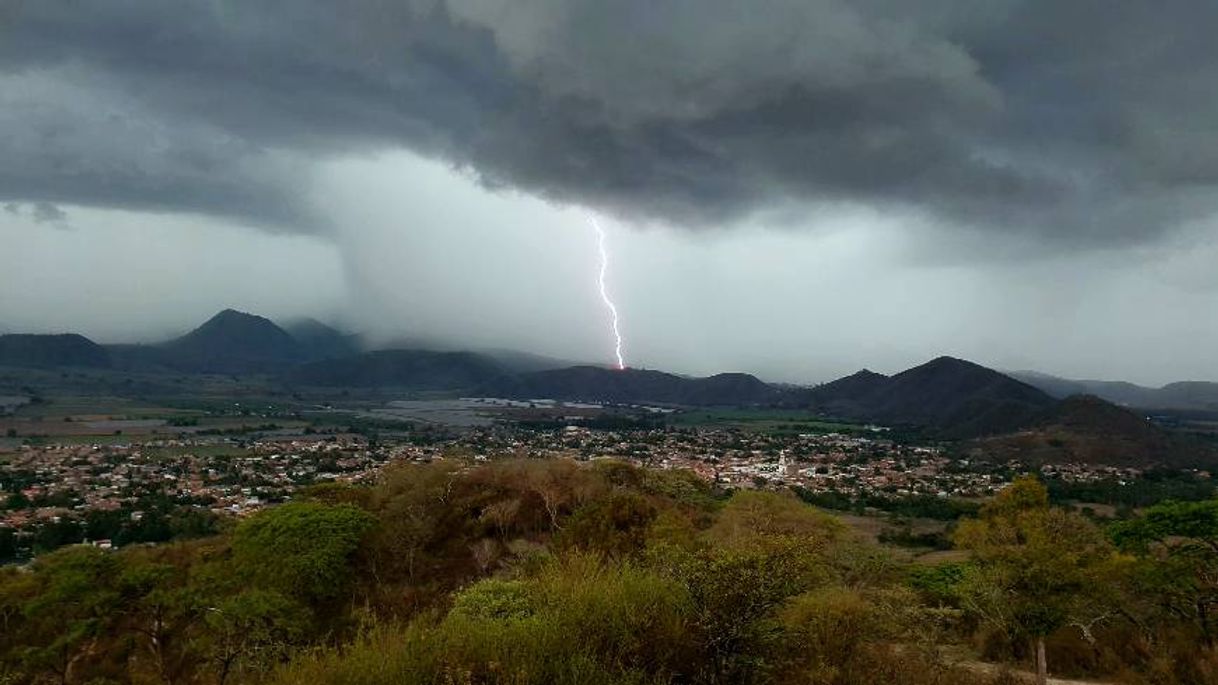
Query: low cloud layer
1077	125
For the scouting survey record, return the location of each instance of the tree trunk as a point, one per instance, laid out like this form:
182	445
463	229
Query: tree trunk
1203	615
1042	665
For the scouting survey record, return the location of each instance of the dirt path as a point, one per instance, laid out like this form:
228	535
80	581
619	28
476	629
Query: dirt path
995	669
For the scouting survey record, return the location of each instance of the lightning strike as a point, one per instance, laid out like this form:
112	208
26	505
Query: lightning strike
617	333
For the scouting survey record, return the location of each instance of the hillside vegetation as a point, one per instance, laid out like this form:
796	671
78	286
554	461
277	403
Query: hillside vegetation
557	572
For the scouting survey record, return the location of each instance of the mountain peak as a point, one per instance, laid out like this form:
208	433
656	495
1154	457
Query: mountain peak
233	342
229	317
949	362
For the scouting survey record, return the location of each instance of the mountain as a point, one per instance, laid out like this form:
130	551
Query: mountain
319	341
524	362
960	397
1184	395
233	342
636	386
1088	429
1187	395
955	397
514	361
67	349
846	396
415	369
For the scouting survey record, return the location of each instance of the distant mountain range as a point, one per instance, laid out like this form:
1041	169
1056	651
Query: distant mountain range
950	398
1191	395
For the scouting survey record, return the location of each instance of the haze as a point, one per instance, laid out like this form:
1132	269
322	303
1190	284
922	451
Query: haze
797	190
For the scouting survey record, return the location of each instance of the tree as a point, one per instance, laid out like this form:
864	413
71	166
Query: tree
764	549
733	595
71	605
156	612
302	549
755	517
411	502
616	525
560	485
1179	540
1034	568
252	632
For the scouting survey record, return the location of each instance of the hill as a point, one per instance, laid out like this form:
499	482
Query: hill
1187	395
45	351
956	398
959	397
846	396
415	369
516	361
635	386
512	360
233	342
1088	429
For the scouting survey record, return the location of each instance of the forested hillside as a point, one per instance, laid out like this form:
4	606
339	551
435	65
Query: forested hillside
553	571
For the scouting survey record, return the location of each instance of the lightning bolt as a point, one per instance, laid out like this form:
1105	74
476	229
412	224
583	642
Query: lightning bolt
604	252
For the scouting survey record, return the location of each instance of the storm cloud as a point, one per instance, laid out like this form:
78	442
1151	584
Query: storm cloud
1078	125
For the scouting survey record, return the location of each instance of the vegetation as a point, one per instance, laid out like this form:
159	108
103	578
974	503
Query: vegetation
549	571
1152	486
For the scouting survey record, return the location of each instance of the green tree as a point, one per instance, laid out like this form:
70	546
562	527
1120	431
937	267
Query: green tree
1179	543
763	549
753	517
72	605
304	550
251	633
412	502
615	525
1034	568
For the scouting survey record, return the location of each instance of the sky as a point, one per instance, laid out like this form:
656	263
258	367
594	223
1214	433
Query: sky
796	189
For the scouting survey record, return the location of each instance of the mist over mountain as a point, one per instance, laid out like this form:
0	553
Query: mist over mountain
412	369
320	341
634	386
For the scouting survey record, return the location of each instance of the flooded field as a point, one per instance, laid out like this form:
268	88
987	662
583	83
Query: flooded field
471	412
462	412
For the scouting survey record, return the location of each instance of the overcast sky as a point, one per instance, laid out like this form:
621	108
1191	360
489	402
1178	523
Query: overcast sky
795	188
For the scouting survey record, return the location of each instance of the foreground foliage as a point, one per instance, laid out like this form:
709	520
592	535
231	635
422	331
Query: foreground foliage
536	571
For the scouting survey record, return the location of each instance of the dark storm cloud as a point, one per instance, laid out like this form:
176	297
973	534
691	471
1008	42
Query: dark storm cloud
1089	122
39	212
45	212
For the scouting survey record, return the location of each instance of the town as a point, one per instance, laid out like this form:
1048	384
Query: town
153	490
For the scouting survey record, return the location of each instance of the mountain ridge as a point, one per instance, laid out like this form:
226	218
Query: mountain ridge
1180	395
51	350
945	397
